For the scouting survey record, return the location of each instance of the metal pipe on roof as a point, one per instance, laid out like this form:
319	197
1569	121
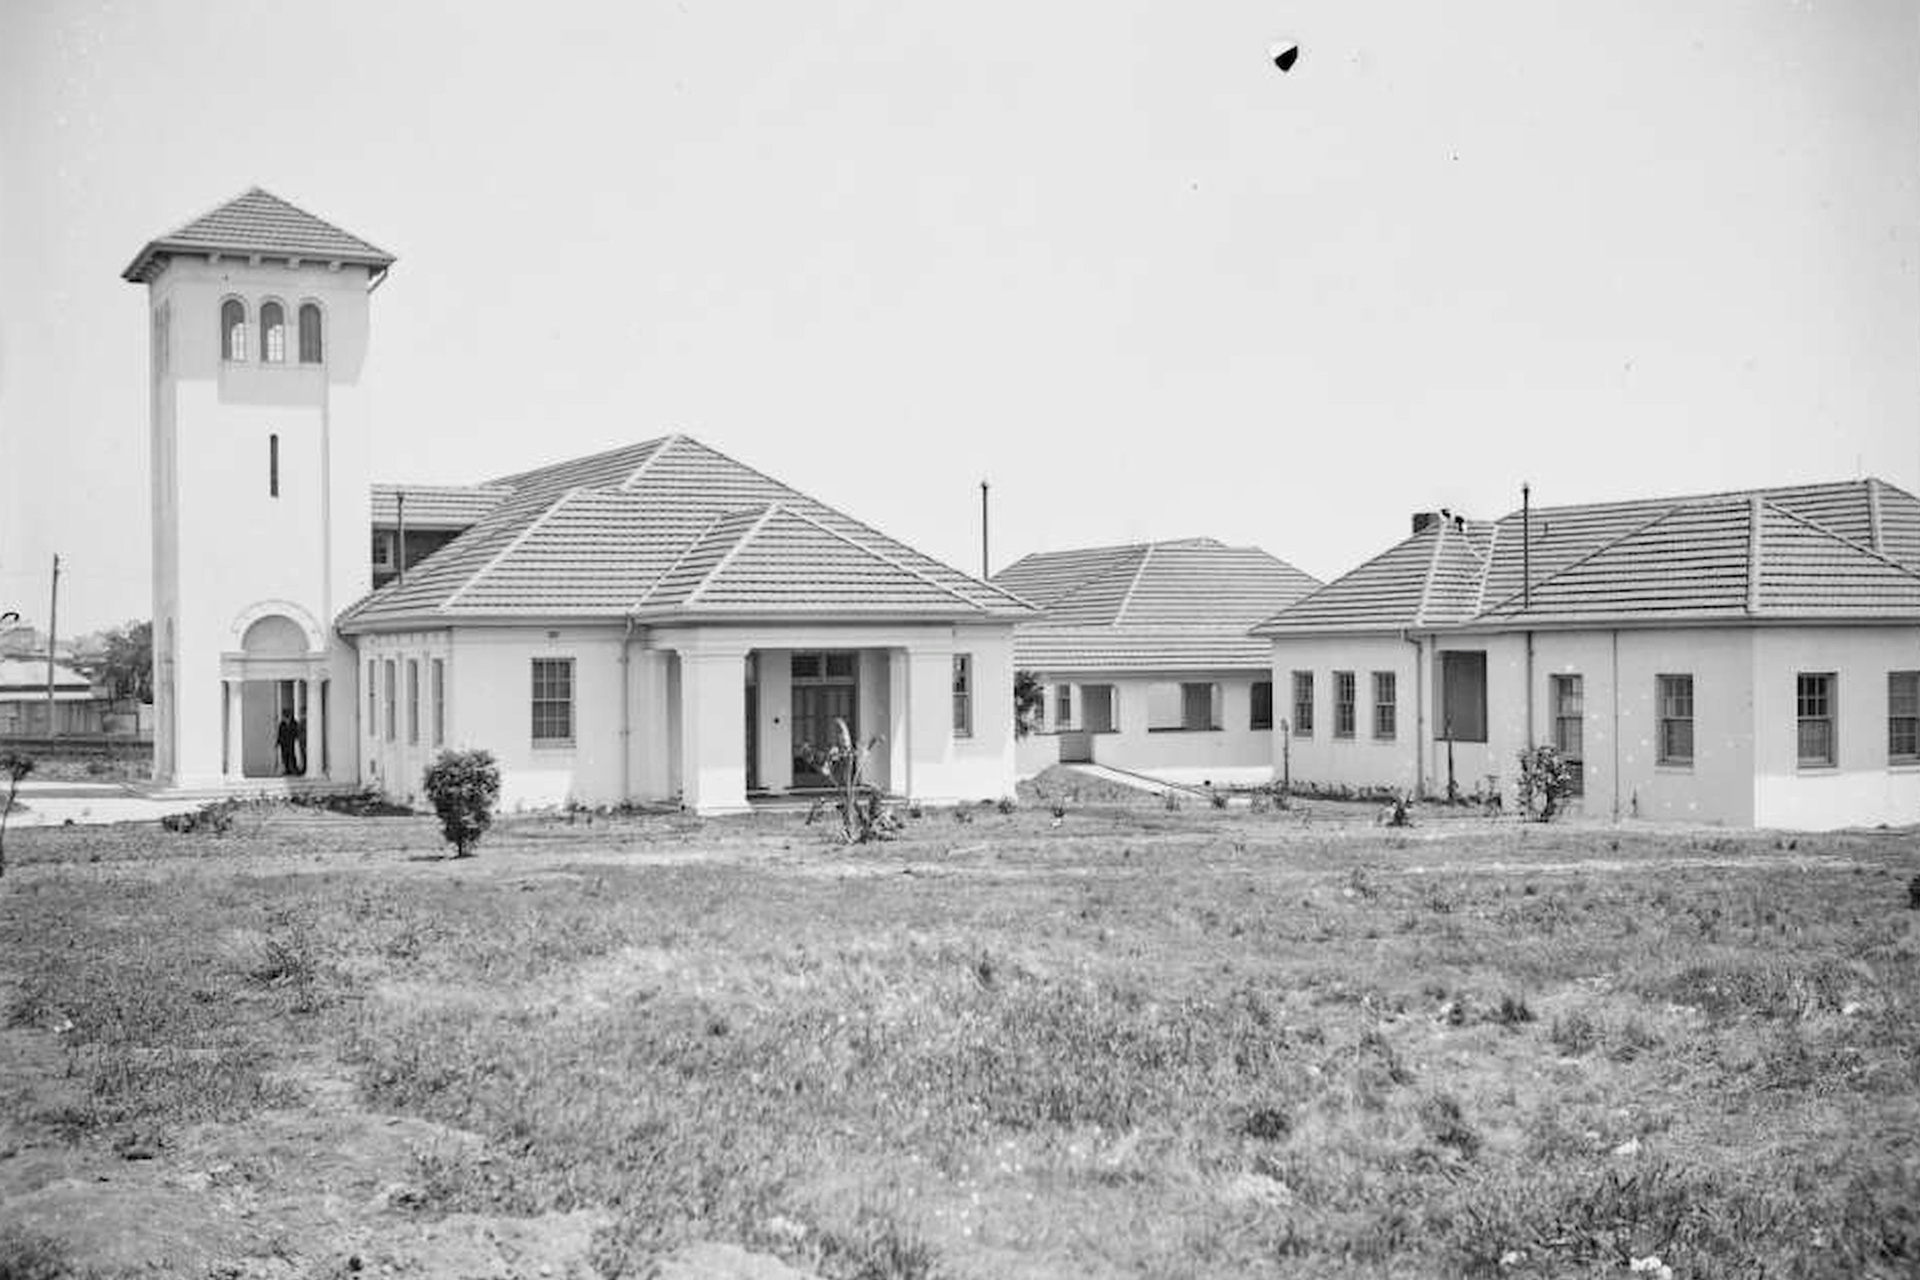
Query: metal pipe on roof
400	538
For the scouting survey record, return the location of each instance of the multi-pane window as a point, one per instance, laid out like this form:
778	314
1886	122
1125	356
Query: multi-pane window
553	700
309	333
1569	719
1463	695
1386	707
439	670
1813	704
1261	716
1903	717
233	329
1063	706
413	701
1303	704
1676	719
962	695
392	703
273	332
382	549
1190	706
1343	699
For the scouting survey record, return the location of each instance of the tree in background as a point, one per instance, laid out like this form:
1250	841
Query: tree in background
1029	703
123	661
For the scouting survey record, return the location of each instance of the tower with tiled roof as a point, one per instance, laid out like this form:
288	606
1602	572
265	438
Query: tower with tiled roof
260	453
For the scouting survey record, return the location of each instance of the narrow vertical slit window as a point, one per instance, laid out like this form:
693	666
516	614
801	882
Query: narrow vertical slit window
413	701
439	702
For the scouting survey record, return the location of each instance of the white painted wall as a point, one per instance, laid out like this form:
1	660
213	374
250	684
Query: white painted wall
1235	753
222	544
1363	759
1864	788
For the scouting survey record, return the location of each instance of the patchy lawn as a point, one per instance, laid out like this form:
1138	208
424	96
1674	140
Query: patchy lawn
1135	1043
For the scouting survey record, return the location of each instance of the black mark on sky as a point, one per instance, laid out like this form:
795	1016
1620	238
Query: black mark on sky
1287	57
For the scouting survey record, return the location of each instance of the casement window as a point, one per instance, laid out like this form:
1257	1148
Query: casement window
439	676
373	702
309	333
1903	717
963	695
1343	704
1063	706
1386	706
413	701
1098	713
1463	695
233	330
1675	694
393	700
1813	705
382	549
1261	716
1189	707
273	465
1303	704
1569	720
273	332
552	701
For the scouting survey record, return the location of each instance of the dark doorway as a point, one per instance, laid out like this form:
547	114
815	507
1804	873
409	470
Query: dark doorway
824	690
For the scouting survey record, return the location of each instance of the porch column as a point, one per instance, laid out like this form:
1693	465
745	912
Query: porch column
233	759
929	722
713	722
317	731
899	748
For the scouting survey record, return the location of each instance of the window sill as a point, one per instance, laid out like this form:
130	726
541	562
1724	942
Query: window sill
1673	766
1386	737
1259	728
1815	767
1904	764
1180	728
552	744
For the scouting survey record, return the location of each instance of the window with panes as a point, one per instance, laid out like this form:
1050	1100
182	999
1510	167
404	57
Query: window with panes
552	702
1303	704
1813	707
1386	706
1903	717
1569	719
1675	696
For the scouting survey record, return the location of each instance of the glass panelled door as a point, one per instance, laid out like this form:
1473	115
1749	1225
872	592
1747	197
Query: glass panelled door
824	686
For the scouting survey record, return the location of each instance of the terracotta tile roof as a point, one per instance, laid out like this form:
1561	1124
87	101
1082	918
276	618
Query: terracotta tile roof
435	506
1827	551
258	222
677	529
1158	606
1052	649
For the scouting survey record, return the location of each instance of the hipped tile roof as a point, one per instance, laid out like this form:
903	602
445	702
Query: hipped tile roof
1826	551
258	222
1159	606
669	528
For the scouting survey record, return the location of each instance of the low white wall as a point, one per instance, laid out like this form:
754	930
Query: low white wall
1235	753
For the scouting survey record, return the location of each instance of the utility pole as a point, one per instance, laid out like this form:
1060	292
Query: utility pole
983	531
53	631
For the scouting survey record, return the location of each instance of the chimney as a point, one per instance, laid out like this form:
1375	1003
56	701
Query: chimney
1425	520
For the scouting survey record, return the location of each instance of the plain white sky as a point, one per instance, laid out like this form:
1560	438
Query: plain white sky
1103	254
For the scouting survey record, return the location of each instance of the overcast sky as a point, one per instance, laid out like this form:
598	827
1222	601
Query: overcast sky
1104	255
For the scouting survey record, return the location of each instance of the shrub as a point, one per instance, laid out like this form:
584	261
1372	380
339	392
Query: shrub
1218	799
1006	804
16	767
209	819
463	786
863	812
1544	776
1029	702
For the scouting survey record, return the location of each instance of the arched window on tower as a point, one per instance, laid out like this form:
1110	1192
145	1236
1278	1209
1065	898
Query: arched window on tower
233	330
309	333
273	332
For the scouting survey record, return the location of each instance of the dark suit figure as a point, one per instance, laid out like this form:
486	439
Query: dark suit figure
287	738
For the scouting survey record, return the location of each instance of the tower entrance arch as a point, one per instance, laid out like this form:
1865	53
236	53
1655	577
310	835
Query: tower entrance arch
275	693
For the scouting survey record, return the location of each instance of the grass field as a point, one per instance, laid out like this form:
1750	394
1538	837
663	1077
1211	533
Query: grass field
1135	1043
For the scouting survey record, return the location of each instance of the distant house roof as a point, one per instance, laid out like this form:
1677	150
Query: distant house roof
1149	606
669	528
25	679
1825	551
257	222
435	506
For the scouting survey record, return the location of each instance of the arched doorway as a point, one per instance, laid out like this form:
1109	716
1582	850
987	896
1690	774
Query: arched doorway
276	678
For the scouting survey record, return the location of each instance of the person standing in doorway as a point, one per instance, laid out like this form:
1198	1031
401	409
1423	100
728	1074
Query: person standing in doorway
286	737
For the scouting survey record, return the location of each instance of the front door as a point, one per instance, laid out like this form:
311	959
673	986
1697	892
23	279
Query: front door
824	685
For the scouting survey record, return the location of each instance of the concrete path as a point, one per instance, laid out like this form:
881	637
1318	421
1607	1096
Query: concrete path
53	803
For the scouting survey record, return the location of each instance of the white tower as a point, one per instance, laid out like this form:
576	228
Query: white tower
261	507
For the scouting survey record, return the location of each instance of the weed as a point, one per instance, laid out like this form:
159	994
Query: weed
28	1255
1268	1124
1170	800
1574	1034
209	819
1006	805
1218	799
1512	1011
1445	1123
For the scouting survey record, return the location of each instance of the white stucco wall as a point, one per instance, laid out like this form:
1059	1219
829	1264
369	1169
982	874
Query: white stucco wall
1235	753
1864	788
223	544
1363	759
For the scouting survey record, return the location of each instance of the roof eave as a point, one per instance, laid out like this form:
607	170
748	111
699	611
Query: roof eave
141	269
